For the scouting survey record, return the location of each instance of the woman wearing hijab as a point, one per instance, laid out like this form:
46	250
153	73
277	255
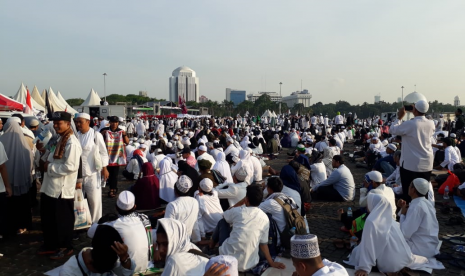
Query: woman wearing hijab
383	244
186	169
246	163
19	168
147	189
291	184
328	154
168	179
174	248
286	141
245	142
223	167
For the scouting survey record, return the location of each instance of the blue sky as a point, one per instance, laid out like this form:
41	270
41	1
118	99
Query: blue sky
341	50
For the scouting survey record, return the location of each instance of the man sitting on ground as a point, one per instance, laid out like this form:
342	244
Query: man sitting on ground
418	220
233	192
339	186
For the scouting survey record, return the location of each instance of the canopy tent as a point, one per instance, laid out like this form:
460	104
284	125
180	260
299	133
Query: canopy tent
44	95
92	99
21	96
273	114
36	96
68	108
266	114
9	104
55	104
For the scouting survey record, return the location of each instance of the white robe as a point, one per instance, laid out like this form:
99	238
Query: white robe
167	181
223	167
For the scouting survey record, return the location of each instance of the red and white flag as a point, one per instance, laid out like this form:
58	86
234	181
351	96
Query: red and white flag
28	108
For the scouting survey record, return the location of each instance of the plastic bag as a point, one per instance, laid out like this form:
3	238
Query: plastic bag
82	216
451	181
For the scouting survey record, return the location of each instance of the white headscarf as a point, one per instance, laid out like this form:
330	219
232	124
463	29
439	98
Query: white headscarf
245	163
245	142
223	167
167	181
178	238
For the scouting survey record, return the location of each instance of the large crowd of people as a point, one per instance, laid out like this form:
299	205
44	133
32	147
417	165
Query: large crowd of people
202	188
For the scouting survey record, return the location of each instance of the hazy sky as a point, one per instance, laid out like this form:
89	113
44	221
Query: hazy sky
341	50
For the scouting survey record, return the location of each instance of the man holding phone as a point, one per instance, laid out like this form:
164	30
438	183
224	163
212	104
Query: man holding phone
417	151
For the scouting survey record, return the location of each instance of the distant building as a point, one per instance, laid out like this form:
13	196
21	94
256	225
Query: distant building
273	95
203	99
399	100
235	95
184	83
456	101
298	97
143	93
377	98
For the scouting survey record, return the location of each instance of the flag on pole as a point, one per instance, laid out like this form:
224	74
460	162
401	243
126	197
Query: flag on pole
28	107
182	105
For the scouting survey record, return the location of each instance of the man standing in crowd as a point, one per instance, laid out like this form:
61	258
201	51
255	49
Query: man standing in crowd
58	187
115	138
94	160
417	156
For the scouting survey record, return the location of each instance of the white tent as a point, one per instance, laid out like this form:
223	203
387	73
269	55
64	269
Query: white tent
56	105
267	113
68	108
92	99
21	96
44	95
36	96
273	114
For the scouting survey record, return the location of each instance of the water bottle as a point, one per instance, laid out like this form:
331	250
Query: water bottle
459	248
41	135
353	241
349	212
293	231
446	193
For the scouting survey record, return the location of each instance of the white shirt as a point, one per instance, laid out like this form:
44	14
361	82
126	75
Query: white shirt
331	269
257	169
61	175
234	192
3	159
382	189
184	264
205	156
158	158
450	158
420	227
342	180
186	210
250	228
339	120
318	173
90	149
417	152
210	212
133	167
231	149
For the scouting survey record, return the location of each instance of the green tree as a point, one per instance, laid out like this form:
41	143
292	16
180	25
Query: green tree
75	101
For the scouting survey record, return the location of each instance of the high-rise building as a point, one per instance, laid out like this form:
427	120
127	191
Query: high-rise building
143	93
203	99
456	101
296	97
378	98
273	95
235	95
184	83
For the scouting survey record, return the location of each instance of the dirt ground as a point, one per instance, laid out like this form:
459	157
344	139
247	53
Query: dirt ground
20	258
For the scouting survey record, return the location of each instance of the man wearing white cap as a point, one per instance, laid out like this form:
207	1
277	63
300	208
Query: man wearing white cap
234	192
140	129
133	227
386	165
94	163
373	183
231	147
418	220
185	208
202	151
130	128
417	152
440	123
307	261
210	211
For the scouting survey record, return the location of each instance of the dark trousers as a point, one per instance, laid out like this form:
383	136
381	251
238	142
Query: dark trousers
3	213
19	213
128	175
327	193
113	172
222	232
57	217
406	177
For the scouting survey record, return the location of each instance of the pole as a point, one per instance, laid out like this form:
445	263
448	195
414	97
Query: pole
104	87
280	84
402	95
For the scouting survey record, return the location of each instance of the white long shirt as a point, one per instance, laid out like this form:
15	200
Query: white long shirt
231	149
250	229
184	264
420	227
234	192
90	149
210	212
186	210
257	169
318	173
133	167
339	120
417	152
61	175
450	158
331	269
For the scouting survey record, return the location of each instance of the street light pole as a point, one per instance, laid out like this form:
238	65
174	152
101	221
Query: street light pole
104	87
402	95
280	84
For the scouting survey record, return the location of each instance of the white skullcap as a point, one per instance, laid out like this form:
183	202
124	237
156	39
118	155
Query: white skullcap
154	140
158	151
422	185
229	261
83	115
136	145
304	246
452	135
191	134
121	119
143	146
169	145
186	141
184	184
141	140
126	201
230	140
203	148
206	185
385	142
241	173
375	176
392	146
134	139
179	145
422	106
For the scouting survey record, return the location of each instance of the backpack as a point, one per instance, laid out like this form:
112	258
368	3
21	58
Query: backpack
293	219
273	234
